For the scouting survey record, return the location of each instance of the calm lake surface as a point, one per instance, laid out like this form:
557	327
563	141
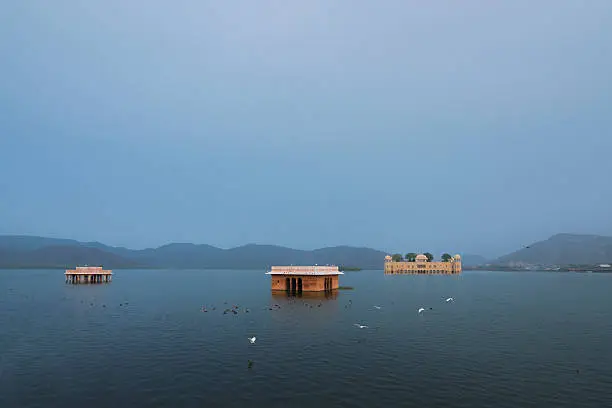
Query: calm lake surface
509	340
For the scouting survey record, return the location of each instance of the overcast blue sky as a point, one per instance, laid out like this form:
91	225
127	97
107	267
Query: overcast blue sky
471	126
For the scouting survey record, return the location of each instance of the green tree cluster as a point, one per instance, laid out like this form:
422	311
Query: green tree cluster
411	256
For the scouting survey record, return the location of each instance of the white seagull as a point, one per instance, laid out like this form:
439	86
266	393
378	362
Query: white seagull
421	310
378	307
360	326
450	299
252	339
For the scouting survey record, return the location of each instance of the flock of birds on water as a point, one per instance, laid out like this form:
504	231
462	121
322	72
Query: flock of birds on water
235	309
419	311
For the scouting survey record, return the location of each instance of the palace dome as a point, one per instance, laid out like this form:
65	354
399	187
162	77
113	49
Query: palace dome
457	257
421	258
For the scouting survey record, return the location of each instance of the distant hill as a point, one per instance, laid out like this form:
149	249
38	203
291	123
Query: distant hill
40	252
563	249
65	257
28	243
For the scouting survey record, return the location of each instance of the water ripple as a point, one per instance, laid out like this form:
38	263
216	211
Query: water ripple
507	341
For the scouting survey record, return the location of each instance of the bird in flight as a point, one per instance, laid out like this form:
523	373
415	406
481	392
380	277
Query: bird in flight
377	307
450	299
360	326
421	310
252	339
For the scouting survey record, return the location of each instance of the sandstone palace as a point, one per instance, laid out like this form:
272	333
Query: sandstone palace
421	264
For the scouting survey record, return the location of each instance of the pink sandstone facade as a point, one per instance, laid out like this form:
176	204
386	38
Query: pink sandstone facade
422	266
304	278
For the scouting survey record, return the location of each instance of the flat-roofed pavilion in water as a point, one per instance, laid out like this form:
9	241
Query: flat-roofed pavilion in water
88	274
295	279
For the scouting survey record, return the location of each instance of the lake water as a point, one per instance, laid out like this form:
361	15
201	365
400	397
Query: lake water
508	340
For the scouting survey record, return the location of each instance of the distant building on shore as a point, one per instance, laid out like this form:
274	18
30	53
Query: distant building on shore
297	279
88	274
422	266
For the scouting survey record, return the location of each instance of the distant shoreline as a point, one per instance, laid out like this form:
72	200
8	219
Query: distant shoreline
561	269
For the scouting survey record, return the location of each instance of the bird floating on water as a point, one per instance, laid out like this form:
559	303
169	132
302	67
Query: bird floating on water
361	326
421	310
252	339
450	299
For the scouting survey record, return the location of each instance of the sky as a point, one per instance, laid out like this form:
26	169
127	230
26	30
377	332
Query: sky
407	126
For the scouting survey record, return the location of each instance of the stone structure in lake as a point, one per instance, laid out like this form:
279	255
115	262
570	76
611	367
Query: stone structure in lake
422	266
297	279
88	274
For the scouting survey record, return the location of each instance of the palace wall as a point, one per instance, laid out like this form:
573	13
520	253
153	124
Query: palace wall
309	283
452	267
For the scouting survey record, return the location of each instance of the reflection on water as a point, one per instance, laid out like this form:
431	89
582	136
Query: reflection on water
322	295
308	308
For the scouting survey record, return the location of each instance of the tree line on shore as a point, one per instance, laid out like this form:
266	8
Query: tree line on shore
411	257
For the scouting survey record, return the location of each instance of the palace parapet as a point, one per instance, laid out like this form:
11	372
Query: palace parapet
422	266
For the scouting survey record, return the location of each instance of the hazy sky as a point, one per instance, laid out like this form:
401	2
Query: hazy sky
472	126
